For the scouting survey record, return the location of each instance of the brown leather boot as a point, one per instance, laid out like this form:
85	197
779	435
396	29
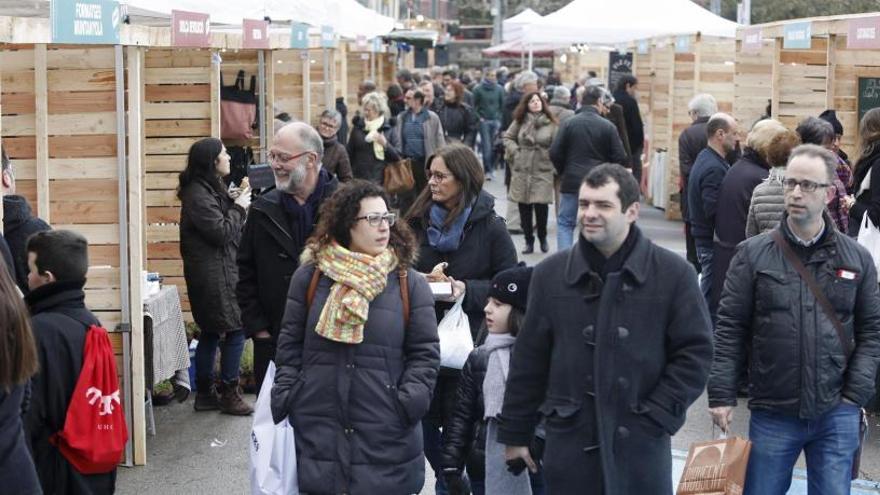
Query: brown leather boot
231	401
206	396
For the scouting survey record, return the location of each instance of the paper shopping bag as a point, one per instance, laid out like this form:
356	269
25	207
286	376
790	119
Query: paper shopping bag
273	450
716	468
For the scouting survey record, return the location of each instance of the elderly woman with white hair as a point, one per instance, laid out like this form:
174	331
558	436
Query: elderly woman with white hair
372	142
560	105
335	159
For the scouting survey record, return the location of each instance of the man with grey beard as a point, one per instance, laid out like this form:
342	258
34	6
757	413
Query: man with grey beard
278	224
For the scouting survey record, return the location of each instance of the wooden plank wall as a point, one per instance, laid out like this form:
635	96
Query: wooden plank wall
287	69
801	90
847	66
753	80
578	64
358	71
177	112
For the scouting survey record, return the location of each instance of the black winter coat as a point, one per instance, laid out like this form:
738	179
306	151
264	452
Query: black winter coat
19	223
651	358
6	256
869	200
485	250
210	230
690	143
17	472
734	199
635	129
704	186
797	365
58	318
364	164
459	122
582	142
357	408
267	258
511	100
464	439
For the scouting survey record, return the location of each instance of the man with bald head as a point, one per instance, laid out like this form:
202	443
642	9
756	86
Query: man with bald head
704	184
278	224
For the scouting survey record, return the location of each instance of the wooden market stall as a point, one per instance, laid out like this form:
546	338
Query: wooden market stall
98	134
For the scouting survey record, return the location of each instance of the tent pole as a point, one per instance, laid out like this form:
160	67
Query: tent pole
531	57
522	58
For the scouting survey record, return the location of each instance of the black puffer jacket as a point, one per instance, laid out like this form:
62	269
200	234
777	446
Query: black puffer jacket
867	200
357	408
364	164
464	441
584	141
19	223
460	123
797	365
210	230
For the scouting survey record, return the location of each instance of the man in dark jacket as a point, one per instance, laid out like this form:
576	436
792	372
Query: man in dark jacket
690	143
278	224
612	384
19	222
6	256
584	141
488	103
625	95
703	186
810	370
58	262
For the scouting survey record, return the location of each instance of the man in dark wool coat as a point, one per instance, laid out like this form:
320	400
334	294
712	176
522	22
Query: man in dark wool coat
616	345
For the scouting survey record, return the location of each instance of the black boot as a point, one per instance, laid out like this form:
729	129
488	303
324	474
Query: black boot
206	396
530	246
545	246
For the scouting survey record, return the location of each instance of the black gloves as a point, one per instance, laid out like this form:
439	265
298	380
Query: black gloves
455	482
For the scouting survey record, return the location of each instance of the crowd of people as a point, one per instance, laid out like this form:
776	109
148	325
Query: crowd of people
582	364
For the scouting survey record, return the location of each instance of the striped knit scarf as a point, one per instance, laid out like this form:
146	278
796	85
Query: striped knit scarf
358	278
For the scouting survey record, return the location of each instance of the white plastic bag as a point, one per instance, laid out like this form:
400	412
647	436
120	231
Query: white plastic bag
273	451
869	236
456	341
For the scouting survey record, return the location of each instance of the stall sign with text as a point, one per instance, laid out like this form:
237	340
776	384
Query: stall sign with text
255	34
863	32
85	21
798	36
191	29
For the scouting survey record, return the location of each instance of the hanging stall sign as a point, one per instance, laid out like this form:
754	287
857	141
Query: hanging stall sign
682	44
752	40
798	36
299	36
619	65
328	37
255	34
643	47
191	29
361	43
85	21
863	32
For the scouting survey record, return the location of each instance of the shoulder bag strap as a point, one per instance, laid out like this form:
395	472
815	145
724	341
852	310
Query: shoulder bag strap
313	287
404	292
808	279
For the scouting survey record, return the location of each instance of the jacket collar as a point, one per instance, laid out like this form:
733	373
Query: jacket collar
700	120
68	294
636	265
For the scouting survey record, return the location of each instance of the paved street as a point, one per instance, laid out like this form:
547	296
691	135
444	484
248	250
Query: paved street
206	453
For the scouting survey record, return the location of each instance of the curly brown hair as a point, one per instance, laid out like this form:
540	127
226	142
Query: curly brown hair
522	109
338	215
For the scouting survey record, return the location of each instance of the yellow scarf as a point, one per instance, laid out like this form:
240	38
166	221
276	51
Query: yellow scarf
375	125
358	278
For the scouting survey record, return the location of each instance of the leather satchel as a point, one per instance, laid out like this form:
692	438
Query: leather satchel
398	177
847	345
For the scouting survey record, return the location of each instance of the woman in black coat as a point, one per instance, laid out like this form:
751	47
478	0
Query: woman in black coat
18	354
371	144
459	120
358	352
210	228
456	224
866	177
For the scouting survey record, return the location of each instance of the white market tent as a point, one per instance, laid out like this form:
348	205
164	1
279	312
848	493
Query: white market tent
349	18
512	27
618	21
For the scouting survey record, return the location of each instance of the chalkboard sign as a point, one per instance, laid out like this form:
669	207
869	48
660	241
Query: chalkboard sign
619	65
869	94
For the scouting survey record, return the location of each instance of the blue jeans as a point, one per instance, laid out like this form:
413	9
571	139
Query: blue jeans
230	355
488	130
829	443
566	220
704	256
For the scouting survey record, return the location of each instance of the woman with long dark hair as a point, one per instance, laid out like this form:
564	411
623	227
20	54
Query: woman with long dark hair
457	117
210	228
462	241
18	362
358	351
527	143
866	177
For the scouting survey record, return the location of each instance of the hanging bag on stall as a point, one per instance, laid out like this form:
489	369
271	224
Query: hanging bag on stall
94	434
238	108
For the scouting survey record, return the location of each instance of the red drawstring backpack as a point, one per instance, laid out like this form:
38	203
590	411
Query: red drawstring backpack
94	434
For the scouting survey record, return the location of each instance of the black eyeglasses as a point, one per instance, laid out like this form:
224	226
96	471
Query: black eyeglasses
806	185
375	219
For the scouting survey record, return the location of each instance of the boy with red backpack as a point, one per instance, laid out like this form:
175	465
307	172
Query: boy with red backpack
63	431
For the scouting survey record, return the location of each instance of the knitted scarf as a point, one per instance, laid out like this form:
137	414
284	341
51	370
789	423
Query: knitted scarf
375	125
358	278
495	381
446	239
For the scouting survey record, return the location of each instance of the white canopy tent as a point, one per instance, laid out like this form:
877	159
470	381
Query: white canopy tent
512	27
348	18
618	21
